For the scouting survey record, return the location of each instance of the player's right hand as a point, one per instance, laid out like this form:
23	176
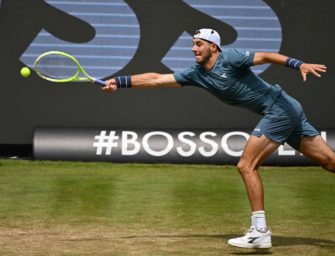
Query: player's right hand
111	86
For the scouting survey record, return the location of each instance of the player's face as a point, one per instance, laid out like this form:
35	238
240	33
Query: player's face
202	51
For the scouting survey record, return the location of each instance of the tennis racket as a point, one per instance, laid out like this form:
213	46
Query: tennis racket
61	67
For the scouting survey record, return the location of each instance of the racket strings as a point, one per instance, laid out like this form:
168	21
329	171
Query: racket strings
57	67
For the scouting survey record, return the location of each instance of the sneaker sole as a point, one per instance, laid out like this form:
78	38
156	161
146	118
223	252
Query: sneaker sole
252	246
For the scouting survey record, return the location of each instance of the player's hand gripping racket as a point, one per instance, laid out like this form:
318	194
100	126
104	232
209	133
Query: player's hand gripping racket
61	67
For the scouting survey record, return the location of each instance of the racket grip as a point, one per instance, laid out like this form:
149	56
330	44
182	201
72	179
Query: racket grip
100	82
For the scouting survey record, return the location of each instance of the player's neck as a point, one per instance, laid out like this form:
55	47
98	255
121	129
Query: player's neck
209	65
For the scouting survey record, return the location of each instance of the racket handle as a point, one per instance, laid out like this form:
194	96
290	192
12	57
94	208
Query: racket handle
100	82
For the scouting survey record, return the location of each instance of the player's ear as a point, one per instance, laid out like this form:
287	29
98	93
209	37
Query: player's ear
214	48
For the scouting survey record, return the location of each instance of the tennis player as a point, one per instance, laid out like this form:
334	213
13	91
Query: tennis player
226	74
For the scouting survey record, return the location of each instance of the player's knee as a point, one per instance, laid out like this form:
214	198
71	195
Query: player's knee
329	165
243	168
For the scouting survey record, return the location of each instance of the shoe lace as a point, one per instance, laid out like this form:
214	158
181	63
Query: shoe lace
249	231
252	228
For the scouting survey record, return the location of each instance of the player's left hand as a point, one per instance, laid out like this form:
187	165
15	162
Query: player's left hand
315	69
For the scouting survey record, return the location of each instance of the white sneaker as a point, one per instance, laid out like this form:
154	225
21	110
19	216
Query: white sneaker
253	239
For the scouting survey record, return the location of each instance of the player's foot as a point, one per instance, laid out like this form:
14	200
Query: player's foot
253	239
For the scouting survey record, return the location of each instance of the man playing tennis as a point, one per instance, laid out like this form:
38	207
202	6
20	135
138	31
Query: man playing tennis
226	74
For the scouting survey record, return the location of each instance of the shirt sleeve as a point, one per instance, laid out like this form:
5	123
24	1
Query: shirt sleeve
241	58
183	77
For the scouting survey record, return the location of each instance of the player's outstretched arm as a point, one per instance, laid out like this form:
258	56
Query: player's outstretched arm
146	80
276	58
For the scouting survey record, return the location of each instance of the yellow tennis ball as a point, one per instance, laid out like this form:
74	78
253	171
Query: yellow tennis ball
25	72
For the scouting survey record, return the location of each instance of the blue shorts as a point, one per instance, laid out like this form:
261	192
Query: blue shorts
285	121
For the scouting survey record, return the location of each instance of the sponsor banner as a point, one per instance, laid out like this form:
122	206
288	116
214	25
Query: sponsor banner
212	146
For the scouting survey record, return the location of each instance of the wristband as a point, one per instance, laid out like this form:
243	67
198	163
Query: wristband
293	63
123	81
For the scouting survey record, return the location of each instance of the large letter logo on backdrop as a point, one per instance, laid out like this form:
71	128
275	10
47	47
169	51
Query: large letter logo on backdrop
115	43
118	33
257	26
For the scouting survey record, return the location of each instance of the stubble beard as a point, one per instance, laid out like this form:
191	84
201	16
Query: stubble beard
205	59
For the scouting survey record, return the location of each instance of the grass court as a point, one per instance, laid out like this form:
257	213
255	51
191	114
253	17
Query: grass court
73	208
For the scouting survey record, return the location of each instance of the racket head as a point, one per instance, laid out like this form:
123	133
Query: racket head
60	67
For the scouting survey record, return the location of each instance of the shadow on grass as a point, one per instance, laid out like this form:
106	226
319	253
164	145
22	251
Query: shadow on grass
277	241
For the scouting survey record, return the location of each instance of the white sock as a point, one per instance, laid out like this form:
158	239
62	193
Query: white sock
258	221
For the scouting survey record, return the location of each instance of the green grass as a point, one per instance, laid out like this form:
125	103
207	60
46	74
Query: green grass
65	208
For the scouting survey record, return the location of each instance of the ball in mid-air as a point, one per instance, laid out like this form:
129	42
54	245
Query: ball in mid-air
25	72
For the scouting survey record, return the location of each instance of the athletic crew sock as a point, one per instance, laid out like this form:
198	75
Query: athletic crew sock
258	221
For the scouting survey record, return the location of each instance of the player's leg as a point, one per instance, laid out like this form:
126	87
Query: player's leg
318	151
306	139
256	150
274	128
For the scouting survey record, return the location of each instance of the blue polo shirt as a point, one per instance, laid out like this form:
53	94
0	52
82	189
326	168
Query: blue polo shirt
232	81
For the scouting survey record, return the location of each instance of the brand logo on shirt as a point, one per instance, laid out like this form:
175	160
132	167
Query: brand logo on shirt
224	75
